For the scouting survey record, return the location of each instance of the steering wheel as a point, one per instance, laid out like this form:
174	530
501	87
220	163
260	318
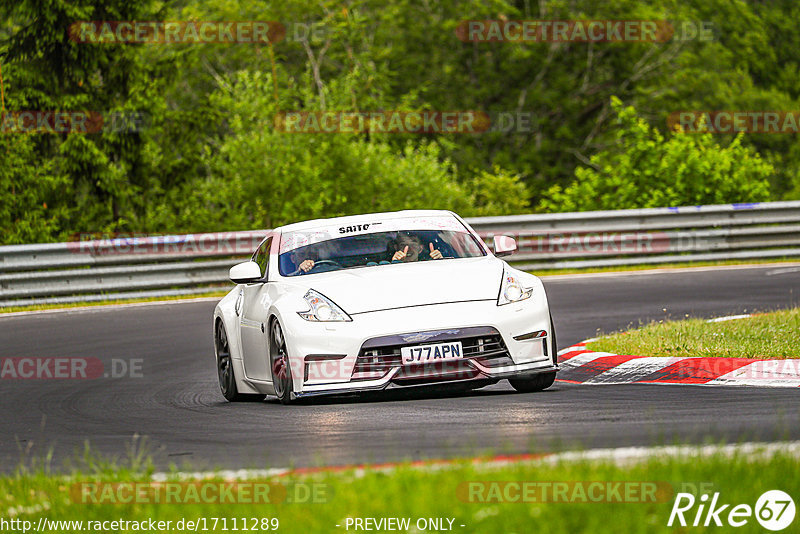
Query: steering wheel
325	262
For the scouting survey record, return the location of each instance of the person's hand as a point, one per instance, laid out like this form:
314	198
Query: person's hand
400	254
307	265
435	254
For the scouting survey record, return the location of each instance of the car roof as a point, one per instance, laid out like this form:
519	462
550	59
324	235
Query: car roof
359	219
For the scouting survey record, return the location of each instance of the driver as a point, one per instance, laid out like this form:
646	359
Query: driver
304	266
409	247
318	254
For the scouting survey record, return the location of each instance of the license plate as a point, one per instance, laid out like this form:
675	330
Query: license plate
432	353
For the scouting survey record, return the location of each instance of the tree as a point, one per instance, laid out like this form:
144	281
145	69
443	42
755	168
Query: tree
104	177
258	177
646	170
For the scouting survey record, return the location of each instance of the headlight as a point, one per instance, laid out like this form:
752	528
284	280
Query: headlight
322	309
512	291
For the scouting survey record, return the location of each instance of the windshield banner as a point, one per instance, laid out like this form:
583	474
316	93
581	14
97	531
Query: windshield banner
302	238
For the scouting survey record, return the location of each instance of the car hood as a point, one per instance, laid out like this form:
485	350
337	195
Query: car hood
410	284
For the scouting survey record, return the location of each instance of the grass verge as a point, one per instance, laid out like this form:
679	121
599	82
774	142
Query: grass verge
594	497
767	335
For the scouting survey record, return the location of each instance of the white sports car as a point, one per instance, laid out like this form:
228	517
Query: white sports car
377	301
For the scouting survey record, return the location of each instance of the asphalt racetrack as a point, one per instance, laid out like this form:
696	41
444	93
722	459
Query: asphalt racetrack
176	408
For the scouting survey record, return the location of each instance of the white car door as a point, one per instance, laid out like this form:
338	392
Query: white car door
255	330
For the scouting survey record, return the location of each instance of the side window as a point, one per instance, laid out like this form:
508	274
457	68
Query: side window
261	256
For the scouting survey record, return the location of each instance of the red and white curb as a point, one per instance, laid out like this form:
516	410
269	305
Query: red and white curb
579	365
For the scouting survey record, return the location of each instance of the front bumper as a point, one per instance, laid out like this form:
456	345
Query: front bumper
324	356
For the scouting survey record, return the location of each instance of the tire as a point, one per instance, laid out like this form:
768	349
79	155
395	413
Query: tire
530	384
225	372
279	364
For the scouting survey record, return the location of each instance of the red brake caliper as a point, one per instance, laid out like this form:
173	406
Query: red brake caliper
279	367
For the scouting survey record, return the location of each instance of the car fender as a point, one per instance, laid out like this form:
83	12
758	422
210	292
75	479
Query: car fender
288	302
539	296
225	311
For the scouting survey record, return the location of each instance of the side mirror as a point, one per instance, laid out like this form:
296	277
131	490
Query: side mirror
245	273
504	245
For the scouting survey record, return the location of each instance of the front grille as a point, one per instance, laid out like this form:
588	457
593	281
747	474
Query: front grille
375	363
429	373
489	351
380	355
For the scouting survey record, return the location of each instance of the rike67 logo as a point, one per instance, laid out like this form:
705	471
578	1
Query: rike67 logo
774	510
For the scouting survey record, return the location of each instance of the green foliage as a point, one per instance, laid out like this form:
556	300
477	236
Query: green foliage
261	177
499	192
645	170
29	191
209	157
102	177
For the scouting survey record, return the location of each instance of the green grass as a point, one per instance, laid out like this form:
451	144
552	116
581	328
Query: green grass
768	335
417	493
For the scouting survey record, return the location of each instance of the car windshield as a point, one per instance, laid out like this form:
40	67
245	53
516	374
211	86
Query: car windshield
372	249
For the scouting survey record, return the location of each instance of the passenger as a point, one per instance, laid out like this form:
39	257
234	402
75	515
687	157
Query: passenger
409	247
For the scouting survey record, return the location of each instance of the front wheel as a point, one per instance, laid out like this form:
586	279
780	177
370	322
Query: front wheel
225	374
279	363
529	384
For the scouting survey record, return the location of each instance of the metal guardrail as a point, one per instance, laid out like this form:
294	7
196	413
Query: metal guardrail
158	266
